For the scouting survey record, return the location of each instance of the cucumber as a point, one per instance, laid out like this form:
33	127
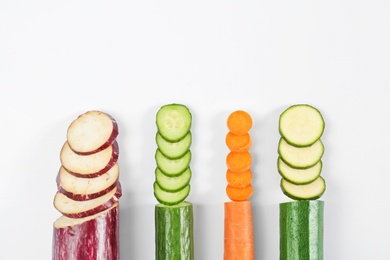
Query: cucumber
300	157
173	122
174	236
173	167
170	198
173	184
310	191
299	176
301	125
301	230
174	150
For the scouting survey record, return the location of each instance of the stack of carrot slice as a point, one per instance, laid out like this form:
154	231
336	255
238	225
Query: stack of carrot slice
238	224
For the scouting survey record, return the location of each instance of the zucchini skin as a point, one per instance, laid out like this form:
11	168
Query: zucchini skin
301	230
174	232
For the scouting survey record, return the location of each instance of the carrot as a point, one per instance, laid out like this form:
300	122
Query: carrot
239	179
238	143
239	194
239	122
238	231
238	162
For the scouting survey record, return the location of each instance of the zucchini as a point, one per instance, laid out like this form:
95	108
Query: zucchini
174	236
173	121
301	125
173	167
310	191
299	176
174	150
173	184
301	230
170	198
300	157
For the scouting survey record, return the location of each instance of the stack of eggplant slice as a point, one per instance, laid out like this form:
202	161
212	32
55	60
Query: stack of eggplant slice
300	165
88	190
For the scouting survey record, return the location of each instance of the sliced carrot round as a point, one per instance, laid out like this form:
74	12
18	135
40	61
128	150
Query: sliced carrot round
239	194
238	143
238	162
239	179
239	122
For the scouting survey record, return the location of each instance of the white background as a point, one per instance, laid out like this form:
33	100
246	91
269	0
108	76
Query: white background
59	59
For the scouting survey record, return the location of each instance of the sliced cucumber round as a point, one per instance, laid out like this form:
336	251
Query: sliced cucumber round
173	167
173	184
300	157
301	125
170	198
299	176
310	191
174	150
173	122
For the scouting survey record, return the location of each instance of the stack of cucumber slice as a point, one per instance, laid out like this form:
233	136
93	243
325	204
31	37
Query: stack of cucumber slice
173	154
300	152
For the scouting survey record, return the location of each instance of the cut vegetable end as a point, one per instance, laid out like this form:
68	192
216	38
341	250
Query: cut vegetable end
310	191
301	230
238	231
170	198
300	157
299	176
301	125
239	122
238	162
239	194
173	122
174	150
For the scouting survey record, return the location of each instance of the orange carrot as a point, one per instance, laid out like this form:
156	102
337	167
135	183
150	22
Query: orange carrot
239	179
238	162
238	143
239	122
238	231
239	194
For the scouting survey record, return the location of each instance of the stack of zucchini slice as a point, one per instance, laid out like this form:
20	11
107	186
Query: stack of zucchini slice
300	152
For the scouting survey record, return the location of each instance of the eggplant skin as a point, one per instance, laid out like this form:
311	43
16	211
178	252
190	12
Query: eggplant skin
96	238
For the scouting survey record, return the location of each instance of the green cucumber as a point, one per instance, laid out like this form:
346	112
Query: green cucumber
170	198
300	157
310	191
301	230
173	167
173	121
301	125
174	236
299	176
174	150
173	184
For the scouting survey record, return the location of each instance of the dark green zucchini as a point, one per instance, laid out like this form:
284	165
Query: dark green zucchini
174	232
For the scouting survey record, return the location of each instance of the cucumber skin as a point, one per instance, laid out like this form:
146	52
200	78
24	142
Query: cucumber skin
174	232
301	230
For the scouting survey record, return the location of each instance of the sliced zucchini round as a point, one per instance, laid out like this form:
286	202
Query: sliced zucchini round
300	157
173	184
174	150
299	176
301	125
173	121
310	191
173	167
170	198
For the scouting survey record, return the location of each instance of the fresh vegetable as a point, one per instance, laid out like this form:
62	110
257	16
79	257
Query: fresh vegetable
173	167
300	157
299	176
238	231
239	162
93	237
238	143
174	150
301	125
172	184
239	179
310	191
301	230
174	234
170	198
239	122
173	122
239	194
92	132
